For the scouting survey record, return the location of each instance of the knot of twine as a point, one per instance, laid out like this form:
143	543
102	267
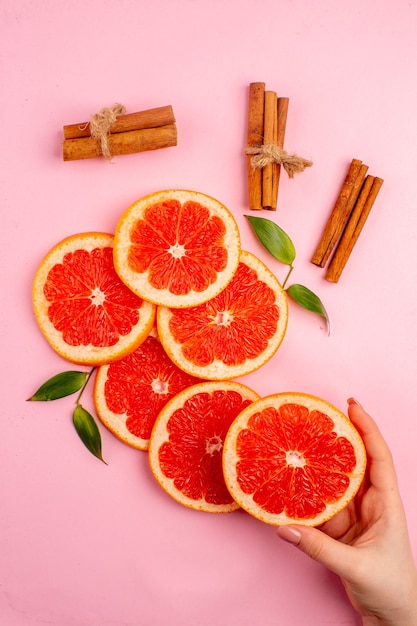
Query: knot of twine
101	123
271	153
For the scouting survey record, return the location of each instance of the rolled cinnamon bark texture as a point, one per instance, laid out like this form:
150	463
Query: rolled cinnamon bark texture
354	227
255	139
134	132
267	119
347	219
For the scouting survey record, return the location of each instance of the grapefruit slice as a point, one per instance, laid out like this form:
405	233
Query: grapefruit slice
176	248
185	448
129	393
293	458
84	310
234	333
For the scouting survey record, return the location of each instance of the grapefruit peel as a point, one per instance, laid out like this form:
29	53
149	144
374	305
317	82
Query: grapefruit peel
293	458
233	334
185	447
129	393
176	248
85	312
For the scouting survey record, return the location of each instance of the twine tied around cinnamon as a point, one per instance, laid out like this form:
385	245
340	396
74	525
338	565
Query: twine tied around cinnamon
101	123
272	153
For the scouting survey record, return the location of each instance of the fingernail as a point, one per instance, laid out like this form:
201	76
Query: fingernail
291	535
354	401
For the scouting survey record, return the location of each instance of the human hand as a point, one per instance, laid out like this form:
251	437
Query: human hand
367	544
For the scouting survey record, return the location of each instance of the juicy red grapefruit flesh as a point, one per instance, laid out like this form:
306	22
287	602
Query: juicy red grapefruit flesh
140	384
180	246
234	326
88	303
292	461
193	455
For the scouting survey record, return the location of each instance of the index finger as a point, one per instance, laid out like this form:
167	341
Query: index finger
381	466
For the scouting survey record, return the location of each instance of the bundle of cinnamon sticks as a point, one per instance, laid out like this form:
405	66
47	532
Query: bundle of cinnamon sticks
267	119
133	132
347	219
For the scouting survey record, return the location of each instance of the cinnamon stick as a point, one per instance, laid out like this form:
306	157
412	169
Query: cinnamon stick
254	140
282	113
151	118
341	211
121	143
354	227
270	137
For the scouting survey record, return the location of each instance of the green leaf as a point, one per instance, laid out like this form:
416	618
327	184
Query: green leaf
59	386
273	238
88	431
308	300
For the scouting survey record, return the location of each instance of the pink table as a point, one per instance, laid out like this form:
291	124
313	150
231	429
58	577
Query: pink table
84	544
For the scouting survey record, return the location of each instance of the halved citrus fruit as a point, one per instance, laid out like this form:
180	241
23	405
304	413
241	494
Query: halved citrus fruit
232	334
84	310
129	393
185	448
176	248
293	458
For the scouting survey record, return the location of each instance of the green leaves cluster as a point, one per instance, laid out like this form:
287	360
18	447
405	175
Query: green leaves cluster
279	245
65	384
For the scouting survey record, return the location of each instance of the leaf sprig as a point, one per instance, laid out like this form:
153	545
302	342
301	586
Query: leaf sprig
65	384
276	241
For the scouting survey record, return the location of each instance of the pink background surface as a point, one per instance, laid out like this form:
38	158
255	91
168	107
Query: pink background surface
84	544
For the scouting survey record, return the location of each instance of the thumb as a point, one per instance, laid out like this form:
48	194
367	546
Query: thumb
317	545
